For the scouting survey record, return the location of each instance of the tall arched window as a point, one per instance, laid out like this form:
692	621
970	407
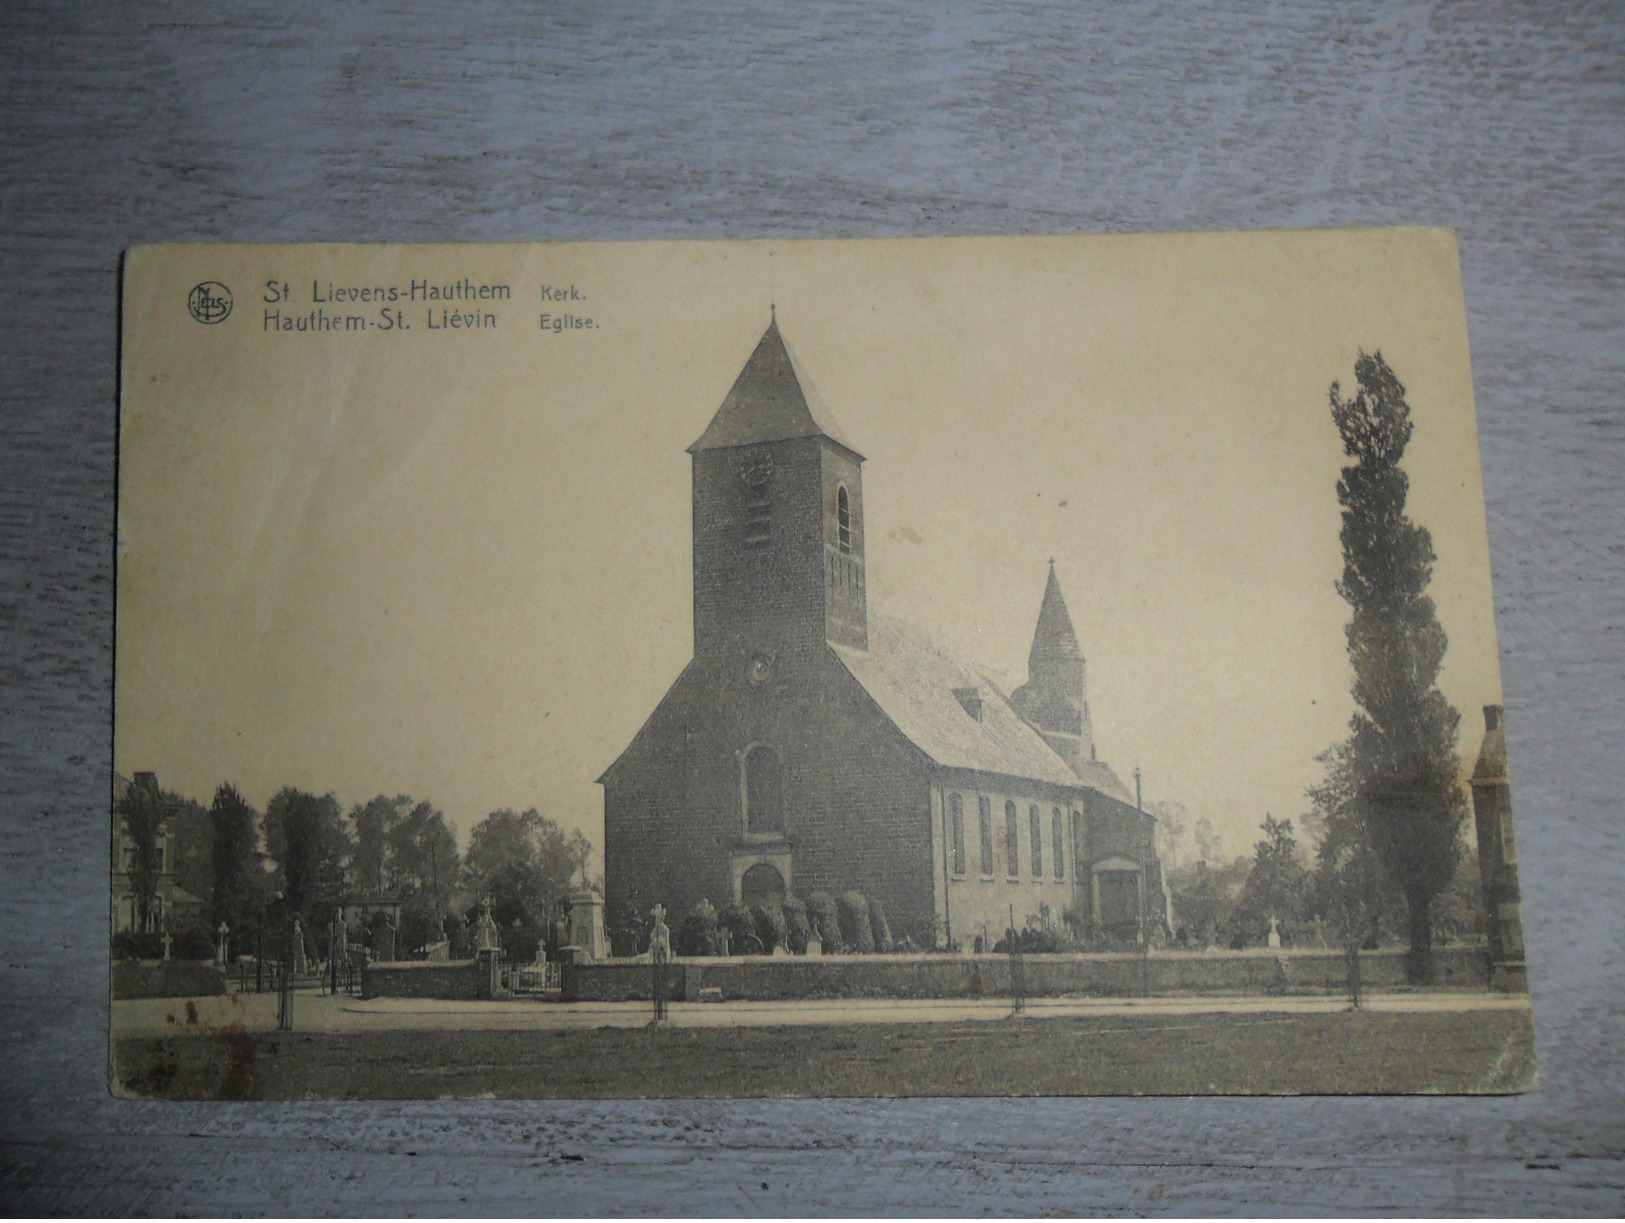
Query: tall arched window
1035	829
1012	840
984	812
764	795
956	807
843	519
1057	840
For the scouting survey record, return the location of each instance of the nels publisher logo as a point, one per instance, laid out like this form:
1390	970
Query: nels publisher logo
210	302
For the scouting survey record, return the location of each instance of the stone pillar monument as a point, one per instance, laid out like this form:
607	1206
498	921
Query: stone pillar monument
1498	856
587	925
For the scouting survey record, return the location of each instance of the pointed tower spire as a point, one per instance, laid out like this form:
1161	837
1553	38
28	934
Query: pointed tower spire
1053	699
1054	639
770	401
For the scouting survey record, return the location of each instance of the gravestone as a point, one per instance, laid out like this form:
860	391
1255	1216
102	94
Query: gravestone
659	955
220	944
1275	935
486	935
660	936
300	964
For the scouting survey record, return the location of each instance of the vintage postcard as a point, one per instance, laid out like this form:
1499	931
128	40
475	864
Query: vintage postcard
974	666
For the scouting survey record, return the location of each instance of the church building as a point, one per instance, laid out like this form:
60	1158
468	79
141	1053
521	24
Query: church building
814	744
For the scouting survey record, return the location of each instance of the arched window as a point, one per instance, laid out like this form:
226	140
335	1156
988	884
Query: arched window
1057	839
956	806
1012	840
984	811
764	797
1035	829
1079	855
843	519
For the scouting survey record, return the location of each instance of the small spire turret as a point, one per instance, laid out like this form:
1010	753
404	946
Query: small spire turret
1053	699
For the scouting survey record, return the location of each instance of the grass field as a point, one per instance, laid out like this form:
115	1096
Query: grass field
1350	1052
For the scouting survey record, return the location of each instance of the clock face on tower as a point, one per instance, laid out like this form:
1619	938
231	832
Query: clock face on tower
757	473
760	669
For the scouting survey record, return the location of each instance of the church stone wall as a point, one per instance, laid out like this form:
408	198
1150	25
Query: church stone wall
856	794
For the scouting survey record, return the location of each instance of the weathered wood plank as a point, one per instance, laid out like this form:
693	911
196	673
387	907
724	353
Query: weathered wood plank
412	121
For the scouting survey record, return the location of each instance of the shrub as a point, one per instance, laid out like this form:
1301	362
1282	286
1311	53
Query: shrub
825	920
741	928
128	945
192	943
1033	942
879	926
854	918
796	926
698	933
771	927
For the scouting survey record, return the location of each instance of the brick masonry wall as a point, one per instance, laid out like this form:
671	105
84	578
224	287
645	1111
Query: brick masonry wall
454	979
749	978
856	794
174	979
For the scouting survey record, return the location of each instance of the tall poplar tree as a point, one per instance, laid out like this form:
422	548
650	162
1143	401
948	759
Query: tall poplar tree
235	857
142	809
1402	741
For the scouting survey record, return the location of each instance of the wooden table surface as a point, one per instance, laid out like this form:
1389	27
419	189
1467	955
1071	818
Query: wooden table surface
419	121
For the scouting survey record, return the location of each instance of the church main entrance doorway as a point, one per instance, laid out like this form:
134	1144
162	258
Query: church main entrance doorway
1119	902
762	885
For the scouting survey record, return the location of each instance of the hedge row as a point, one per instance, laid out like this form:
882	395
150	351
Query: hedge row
850	922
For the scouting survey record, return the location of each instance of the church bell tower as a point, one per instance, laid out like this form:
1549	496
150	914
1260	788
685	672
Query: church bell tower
778	521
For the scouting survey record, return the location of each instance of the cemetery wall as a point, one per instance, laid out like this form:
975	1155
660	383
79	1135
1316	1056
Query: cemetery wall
762	978
166	979
450	979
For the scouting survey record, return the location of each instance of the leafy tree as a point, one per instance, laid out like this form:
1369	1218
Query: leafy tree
1209	844
234	858
1277	884
1402	742
423	860
142	810
307	836
1206	896
698	933
191	844
372	823
1173	822
1351	889
528	865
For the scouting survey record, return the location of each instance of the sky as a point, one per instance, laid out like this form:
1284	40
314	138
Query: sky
454	562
